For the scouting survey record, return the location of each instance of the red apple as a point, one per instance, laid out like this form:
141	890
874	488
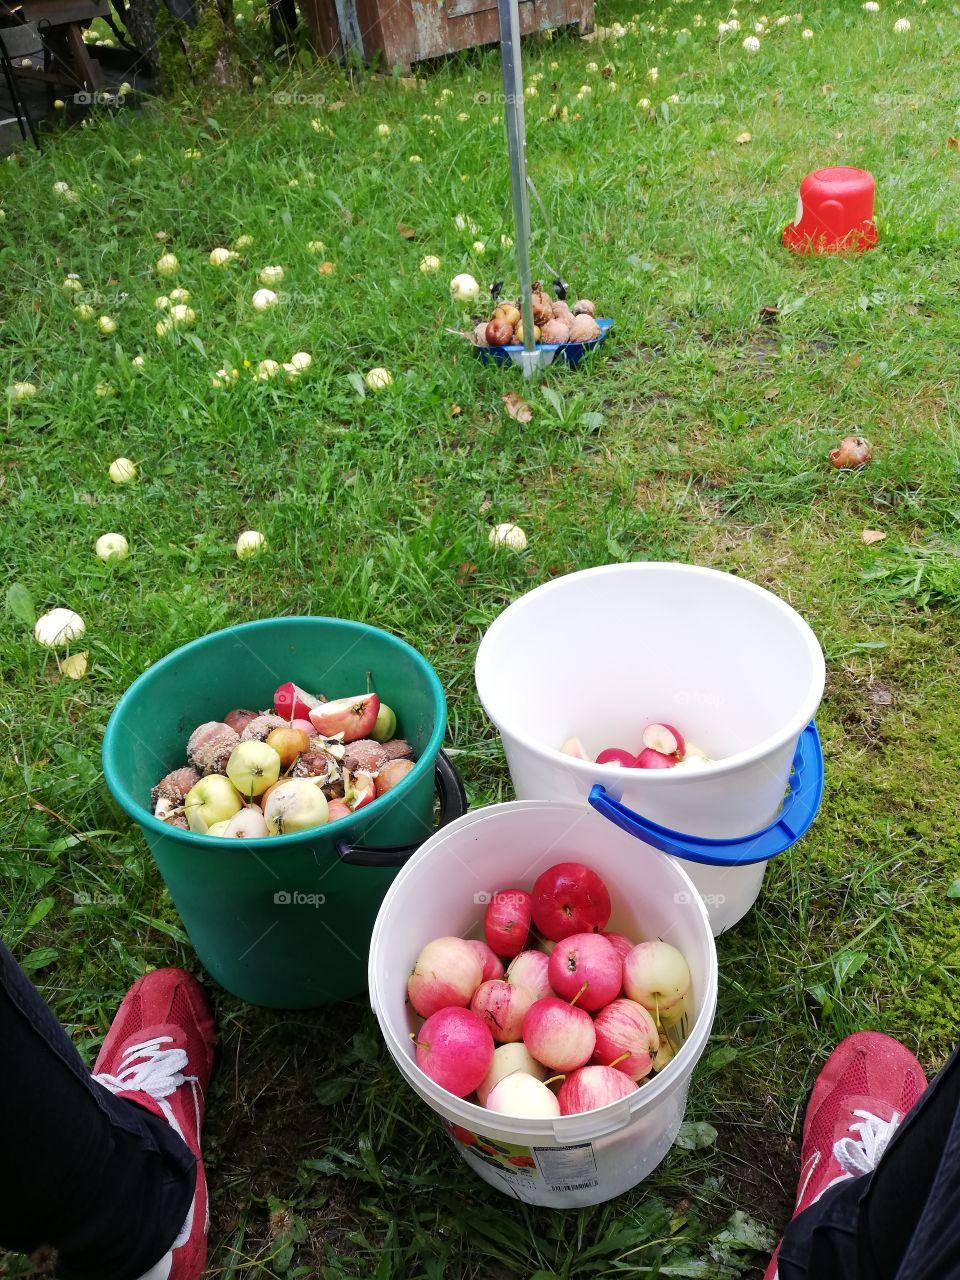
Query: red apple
650	759
617	755
506	923
664	738
569	898
492	964
853	452
627	1038
586	960
558	1034
502	1006
447	972
338	809
353	717
291	702
455	1049
593	1087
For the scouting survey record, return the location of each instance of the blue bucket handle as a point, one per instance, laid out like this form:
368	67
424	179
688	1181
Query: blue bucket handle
799	810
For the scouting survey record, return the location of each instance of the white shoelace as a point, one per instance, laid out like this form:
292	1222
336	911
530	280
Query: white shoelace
858	1156
152	1069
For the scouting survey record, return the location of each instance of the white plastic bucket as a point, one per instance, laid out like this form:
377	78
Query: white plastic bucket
443	889
601	653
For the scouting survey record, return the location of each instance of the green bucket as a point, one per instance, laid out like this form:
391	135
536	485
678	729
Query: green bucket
283	921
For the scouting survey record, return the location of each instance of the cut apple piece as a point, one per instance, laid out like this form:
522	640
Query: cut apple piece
663	738
353	717
574	747
617	755
361	790
292	703
650	759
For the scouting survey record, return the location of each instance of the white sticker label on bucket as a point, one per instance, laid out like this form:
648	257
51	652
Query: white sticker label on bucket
568	1168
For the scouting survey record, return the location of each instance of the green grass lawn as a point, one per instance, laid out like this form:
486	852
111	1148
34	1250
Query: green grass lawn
698	434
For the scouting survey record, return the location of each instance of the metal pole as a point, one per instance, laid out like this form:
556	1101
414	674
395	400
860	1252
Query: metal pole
517	145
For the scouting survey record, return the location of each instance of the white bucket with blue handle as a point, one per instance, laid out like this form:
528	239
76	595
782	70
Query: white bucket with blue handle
602	653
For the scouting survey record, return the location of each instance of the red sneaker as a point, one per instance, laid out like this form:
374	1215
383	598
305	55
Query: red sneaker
159	1054
866	1087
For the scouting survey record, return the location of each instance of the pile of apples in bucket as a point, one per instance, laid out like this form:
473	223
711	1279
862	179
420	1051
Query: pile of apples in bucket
573	1024
300	764
662	747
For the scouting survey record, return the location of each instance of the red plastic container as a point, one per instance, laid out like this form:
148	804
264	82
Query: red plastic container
834	212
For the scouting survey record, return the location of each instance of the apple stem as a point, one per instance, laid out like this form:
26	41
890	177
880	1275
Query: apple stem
418	1043
554	1079
622	1058
579	993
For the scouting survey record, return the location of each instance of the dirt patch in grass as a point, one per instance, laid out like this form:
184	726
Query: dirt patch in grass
863	704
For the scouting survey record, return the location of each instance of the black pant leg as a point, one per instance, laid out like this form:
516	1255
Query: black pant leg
900	1222
104	1181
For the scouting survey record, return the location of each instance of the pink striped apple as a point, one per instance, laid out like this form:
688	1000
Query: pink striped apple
591	1088
502	1005
530	969
558	1034
447	972
627	1038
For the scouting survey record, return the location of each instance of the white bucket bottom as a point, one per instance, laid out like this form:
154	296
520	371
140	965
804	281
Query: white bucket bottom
567	1161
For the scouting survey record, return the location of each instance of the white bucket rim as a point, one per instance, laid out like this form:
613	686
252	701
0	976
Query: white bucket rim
610	773
561	1129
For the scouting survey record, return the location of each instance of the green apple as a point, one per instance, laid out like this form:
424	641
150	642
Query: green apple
386	725
295	805
213	799
252	767
219	828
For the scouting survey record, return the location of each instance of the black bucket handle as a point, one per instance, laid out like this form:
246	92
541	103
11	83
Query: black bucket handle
453	804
